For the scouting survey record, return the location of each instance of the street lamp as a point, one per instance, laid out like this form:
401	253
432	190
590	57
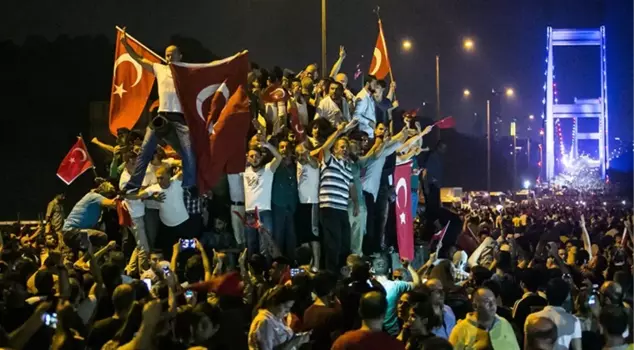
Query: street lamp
527	184
531	117
466	93
510	92
468	44
407	45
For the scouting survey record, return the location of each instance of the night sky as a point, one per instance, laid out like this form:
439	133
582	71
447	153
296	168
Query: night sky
510	42
510	39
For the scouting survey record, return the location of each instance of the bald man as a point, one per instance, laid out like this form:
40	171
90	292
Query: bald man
611	293
541	334
483	329
169	124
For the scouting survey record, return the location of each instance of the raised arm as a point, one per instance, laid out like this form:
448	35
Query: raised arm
587	245
277	157
337	66
205	258
104	146
392	91
147	65
330	141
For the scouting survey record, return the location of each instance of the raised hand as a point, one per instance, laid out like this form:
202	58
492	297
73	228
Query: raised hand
428	129
342	52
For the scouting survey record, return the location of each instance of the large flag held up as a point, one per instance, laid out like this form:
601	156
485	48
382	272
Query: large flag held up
131	85
76	162
380	66
404	222
216	108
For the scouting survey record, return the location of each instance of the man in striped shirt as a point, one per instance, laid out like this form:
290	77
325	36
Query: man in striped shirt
336	188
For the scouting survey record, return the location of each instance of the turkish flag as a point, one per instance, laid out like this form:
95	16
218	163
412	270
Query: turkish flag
131	85
274	93
76	162
404	223
380	66
216	108
296	125
445	123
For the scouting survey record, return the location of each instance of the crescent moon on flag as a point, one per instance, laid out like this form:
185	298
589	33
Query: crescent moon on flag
378	59
402	183
205	93
278	93
299	128
83	154
127	58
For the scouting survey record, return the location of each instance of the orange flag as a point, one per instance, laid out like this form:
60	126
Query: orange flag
380	66
131	85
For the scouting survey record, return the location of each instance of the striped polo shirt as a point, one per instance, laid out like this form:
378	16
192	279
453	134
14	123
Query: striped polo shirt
334	184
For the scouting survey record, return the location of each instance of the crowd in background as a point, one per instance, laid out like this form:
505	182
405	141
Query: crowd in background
299	251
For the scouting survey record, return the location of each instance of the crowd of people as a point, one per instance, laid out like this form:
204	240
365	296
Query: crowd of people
297	251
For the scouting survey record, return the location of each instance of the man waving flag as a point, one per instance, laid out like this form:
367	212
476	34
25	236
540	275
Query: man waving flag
131	85
216	107
380	66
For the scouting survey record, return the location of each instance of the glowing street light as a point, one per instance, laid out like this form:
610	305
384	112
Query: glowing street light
468	44
527	184
510	92
466	93
531	117
407	45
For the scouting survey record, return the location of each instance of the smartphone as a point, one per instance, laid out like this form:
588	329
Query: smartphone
188	244
189	294
296	272
148	283
592	299
50	319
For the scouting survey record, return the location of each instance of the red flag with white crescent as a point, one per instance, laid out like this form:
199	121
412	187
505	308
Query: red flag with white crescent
404	223
131	85
76	162
216	109
274	93
296	125
446	123
380	66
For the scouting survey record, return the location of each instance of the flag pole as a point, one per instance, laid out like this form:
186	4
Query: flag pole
140	44
94	171
378	16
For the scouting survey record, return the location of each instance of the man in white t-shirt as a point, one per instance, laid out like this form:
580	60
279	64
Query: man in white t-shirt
172	210
307	214
169	120
258	186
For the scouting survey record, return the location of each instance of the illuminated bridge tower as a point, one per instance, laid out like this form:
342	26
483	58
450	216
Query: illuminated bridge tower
587	108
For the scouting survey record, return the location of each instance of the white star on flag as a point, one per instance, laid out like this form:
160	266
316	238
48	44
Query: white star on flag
72	160
403	218
119	90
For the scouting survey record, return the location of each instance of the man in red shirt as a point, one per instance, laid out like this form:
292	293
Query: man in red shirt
370	336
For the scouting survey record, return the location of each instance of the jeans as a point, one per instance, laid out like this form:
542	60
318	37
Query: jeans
237	224
376	220
357	228
152	224
138	230
254	243
178	137
284	231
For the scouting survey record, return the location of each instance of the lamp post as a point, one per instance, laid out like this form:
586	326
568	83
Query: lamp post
489	145
324	66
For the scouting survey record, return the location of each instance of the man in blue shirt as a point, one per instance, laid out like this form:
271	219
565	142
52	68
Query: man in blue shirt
83	219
